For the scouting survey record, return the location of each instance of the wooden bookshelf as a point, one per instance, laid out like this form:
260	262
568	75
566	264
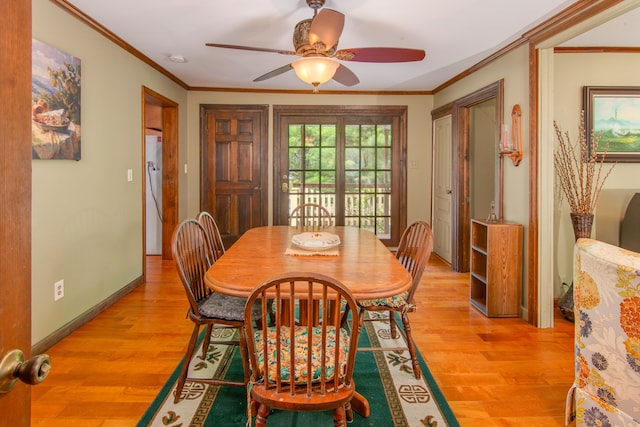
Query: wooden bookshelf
496	268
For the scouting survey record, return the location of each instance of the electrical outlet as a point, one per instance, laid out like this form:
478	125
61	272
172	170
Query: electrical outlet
58	290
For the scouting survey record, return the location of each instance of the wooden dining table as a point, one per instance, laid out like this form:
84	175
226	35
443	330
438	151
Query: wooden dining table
362	263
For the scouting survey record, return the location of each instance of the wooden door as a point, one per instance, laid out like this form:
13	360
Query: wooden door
15	199
233	176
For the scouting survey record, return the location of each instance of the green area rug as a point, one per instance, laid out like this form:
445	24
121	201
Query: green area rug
386	379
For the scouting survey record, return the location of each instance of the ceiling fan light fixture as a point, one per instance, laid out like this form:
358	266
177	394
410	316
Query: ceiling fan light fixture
315	70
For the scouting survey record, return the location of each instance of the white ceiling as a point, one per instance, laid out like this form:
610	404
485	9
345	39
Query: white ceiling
455	34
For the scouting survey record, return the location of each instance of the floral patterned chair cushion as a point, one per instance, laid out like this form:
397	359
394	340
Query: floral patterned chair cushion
394	301
300	352
606	390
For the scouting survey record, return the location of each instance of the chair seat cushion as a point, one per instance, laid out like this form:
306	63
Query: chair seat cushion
300	356
220	306
395	301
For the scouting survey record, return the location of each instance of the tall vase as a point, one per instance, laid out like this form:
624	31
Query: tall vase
582	224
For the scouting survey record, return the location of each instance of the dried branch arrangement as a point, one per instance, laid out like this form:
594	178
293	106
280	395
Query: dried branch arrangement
580	172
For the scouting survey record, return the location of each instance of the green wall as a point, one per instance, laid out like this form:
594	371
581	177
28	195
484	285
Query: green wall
513	68
87	218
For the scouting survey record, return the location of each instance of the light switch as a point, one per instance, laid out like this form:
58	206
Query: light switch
129	175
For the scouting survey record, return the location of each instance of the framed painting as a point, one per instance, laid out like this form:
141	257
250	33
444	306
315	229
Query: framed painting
614	113
55	110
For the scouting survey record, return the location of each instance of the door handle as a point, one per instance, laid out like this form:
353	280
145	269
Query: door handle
448	191
13	367
285	187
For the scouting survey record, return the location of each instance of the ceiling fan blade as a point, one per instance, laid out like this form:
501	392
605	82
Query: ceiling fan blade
380	54
255	49
326	27
274	73
345	76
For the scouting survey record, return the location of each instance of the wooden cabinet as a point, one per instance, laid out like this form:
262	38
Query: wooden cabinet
496	268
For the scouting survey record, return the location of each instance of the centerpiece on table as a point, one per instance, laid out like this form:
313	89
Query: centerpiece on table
581	178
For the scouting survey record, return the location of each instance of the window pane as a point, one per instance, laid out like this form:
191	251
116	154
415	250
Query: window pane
383	181
352	205
368	158
328	158
294	182
328	200
328	181
383	205
351	182
312	158
367	205
295	158
352	158
312	181
383	136
352	135
328	133
368	223
383	158
367	182
295	135
383	228
368	135
311	135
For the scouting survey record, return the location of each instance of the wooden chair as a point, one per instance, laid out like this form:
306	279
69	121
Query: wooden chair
310	215
413	252
192	257
213	234
318	349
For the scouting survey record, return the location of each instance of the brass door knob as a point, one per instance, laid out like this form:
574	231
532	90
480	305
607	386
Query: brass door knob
13	368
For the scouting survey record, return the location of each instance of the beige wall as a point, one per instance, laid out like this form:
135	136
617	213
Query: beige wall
482	159
513	68
87	218
571	73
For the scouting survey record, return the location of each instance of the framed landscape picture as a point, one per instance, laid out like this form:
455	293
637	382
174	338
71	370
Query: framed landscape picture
55	108
614	112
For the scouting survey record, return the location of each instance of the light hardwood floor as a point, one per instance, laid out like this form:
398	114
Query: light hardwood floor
493	372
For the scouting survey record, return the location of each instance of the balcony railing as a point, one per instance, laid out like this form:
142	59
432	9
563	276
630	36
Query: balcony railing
365	210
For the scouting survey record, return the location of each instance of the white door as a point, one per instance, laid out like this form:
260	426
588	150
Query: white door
442	187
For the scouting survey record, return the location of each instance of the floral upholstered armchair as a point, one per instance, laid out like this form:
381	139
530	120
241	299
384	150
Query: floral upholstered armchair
606	389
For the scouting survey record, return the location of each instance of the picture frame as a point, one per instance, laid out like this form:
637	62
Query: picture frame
56	111
614	113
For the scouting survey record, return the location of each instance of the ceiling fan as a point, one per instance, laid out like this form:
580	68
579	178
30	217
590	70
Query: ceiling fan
316	41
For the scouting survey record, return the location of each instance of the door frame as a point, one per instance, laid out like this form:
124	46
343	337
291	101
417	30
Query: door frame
169	170
460	188
399	118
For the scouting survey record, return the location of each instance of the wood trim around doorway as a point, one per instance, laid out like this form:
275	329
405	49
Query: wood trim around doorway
169	129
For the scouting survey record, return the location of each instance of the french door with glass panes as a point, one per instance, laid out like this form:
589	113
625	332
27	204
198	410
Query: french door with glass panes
349	160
